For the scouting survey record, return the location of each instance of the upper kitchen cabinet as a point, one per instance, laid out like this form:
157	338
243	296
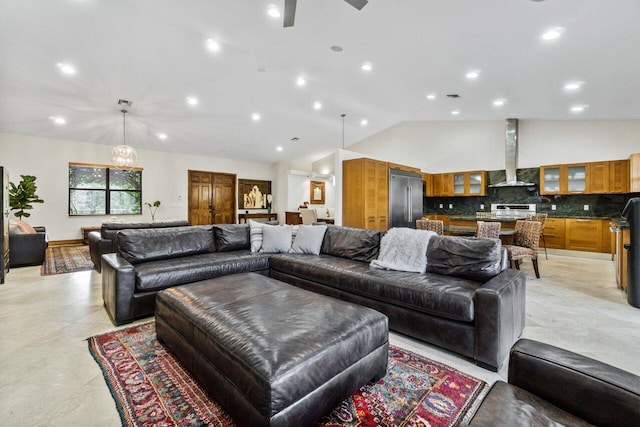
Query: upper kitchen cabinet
564	179
609	177
459	184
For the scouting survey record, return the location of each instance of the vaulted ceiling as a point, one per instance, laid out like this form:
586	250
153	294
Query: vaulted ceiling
156	53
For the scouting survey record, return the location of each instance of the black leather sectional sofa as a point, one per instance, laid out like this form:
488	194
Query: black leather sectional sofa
105	242
457	304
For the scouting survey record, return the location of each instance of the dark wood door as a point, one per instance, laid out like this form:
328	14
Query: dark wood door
211	198
224	196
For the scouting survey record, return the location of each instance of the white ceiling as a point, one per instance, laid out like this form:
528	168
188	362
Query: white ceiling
153	52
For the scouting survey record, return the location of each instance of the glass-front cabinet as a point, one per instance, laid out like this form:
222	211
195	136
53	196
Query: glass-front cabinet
476	183
564	179
459	184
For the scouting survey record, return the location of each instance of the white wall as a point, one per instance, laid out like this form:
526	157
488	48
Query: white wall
164	178
459	146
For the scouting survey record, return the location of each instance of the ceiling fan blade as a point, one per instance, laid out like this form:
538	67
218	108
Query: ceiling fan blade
358	4
289	12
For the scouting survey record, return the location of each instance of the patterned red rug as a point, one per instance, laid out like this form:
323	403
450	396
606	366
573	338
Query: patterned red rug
66	259
151	387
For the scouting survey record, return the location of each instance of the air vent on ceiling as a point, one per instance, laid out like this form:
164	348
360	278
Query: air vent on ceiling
125	102
453	95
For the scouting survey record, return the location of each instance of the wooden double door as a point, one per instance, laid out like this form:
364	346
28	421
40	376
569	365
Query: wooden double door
212	198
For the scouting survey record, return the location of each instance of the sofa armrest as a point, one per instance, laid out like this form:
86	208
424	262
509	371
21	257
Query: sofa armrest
98	247
499	312
594	391
118	287
27	249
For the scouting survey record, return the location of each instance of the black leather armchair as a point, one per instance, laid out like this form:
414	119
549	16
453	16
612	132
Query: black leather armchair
27	248
549	386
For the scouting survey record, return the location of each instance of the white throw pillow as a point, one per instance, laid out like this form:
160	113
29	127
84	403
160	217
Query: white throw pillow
255	235
309	239
276	238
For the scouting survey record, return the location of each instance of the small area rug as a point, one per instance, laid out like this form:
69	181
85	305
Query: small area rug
66	259
150	387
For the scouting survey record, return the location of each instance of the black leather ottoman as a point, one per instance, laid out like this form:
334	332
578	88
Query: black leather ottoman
271	353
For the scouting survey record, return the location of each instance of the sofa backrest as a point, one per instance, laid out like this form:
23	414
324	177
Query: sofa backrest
473	258
352	243
148	244
108	230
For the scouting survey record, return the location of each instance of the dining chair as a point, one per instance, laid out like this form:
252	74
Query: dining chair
308	216
541	218
525	244
430	225
489	229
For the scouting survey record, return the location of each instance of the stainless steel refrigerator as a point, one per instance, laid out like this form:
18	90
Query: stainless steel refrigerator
405	198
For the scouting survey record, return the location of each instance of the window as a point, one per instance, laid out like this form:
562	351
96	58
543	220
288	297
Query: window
101	190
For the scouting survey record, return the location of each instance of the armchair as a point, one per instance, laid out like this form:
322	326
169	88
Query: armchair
27	247
551	386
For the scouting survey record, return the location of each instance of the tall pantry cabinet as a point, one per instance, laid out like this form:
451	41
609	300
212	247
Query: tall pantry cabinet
365	194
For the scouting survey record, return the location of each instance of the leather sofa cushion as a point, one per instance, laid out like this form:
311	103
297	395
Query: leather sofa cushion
144	245
444	296
156	275
231	237
472	258
352	243
508	405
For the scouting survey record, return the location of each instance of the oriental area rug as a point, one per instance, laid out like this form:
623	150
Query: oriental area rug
150	387
66	259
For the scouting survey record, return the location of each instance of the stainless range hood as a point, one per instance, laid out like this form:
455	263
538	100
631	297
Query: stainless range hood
511	156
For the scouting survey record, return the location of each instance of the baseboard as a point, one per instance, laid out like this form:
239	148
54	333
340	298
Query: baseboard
65	242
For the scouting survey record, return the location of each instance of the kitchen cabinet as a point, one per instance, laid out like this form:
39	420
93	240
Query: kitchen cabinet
619	176
583	234
471	183
564	179
608	177
634	173
554	231
427	181
403	168
365	194
599	177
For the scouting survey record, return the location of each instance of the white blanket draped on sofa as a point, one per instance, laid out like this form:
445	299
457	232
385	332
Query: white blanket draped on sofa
404	249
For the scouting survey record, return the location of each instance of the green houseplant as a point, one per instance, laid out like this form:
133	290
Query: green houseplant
153	207
23	195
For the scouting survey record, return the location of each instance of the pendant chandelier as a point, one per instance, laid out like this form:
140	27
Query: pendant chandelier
123	156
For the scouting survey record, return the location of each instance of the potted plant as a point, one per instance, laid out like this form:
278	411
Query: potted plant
153	207
22	196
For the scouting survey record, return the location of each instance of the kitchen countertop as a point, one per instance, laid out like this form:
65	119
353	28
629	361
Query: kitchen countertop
512	219
620	222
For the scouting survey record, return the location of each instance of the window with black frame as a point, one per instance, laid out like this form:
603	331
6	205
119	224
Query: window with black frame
102	190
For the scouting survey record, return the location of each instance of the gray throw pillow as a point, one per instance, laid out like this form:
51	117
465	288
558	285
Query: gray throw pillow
276	238
309	239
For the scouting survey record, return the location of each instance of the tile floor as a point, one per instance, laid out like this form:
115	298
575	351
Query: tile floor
48	377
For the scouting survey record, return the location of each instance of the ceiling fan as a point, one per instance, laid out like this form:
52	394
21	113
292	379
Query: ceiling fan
290	9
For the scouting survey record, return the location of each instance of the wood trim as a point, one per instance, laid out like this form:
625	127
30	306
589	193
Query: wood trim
101	165
65	242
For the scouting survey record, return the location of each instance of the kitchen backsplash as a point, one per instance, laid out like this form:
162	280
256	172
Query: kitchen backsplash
599	205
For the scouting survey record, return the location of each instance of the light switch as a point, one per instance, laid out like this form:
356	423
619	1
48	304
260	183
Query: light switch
586	207
553	207
481	207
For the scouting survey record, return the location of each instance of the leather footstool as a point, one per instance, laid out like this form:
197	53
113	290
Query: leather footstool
271	353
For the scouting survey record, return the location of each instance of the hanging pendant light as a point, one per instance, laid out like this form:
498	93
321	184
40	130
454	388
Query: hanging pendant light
123	156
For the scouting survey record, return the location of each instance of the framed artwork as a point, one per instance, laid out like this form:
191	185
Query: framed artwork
252	194
316	196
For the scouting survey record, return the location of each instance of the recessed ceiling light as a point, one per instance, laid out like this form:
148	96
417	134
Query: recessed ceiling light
431	96
162	136
300	81
499	102
255	117
279	148
213	45
58	120
367	66
578	108
317	105
273	11
573	86
192	100
364	122
66	68
552	34
455	112
473	74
